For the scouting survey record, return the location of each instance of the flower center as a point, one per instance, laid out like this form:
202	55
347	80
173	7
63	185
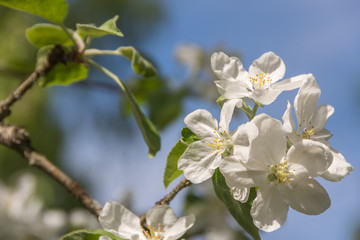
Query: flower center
220	143
261	81
280	173
306	134
152	233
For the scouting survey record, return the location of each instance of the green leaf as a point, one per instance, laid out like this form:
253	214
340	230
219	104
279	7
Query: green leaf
52	10
86	234
240	211
109	27
138	63
65	74
46	34
171	171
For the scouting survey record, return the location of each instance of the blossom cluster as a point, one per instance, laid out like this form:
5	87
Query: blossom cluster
280	159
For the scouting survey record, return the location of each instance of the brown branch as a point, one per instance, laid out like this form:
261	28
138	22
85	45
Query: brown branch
167	199
17	139
57	55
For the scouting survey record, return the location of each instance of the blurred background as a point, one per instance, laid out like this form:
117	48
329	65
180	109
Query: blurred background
89	132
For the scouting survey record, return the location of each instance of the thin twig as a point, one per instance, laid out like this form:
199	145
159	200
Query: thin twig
17	139
167	199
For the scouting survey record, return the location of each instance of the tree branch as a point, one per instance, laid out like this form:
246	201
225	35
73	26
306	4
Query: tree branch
17	139
167	199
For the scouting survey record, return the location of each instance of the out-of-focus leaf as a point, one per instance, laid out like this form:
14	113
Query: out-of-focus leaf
109	27
240	211
53	10
171	171
86	234
46	34
138	63
65	74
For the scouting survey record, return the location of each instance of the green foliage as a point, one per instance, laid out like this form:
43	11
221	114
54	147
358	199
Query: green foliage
109	27
240	211
52	10
86	234
44	34
138	63
65	74
171	171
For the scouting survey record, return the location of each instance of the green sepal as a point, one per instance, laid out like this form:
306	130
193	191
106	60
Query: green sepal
171	170
86	234
240	211
109	27
52	10
44	34
220	101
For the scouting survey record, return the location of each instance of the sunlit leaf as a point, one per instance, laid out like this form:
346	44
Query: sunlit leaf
240	211
171	171
86	234
46	34
52	10
109	27
65	74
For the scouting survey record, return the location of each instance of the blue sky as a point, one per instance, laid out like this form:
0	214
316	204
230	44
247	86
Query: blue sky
320	37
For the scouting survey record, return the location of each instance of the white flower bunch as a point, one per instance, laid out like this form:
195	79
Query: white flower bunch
278	159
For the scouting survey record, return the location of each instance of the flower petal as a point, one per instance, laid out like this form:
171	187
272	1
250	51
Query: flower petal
291	83
321	115
161	214
242	139
269	147
226	114
117	219
232	88
305	101
289	124
307	196
313	155
227	68
268	63
179	228
265	96
198	162
241	194
338	169
269	209
202	123
237	175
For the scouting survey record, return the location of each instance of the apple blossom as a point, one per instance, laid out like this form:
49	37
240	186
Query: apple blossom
161	220
260	83
284	178
202	157
311	125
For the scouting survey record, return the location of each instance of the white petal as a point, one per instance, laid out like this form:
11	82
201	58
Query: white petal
227	68
269	209
313	155
307	196
198	162
237	175
289	124
323	136
240	194
232	88
117	219
242	139
268	63
306	100
265	96
291	83
179	228
338	169
226	114
202	123
270	146
160	214
320	117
